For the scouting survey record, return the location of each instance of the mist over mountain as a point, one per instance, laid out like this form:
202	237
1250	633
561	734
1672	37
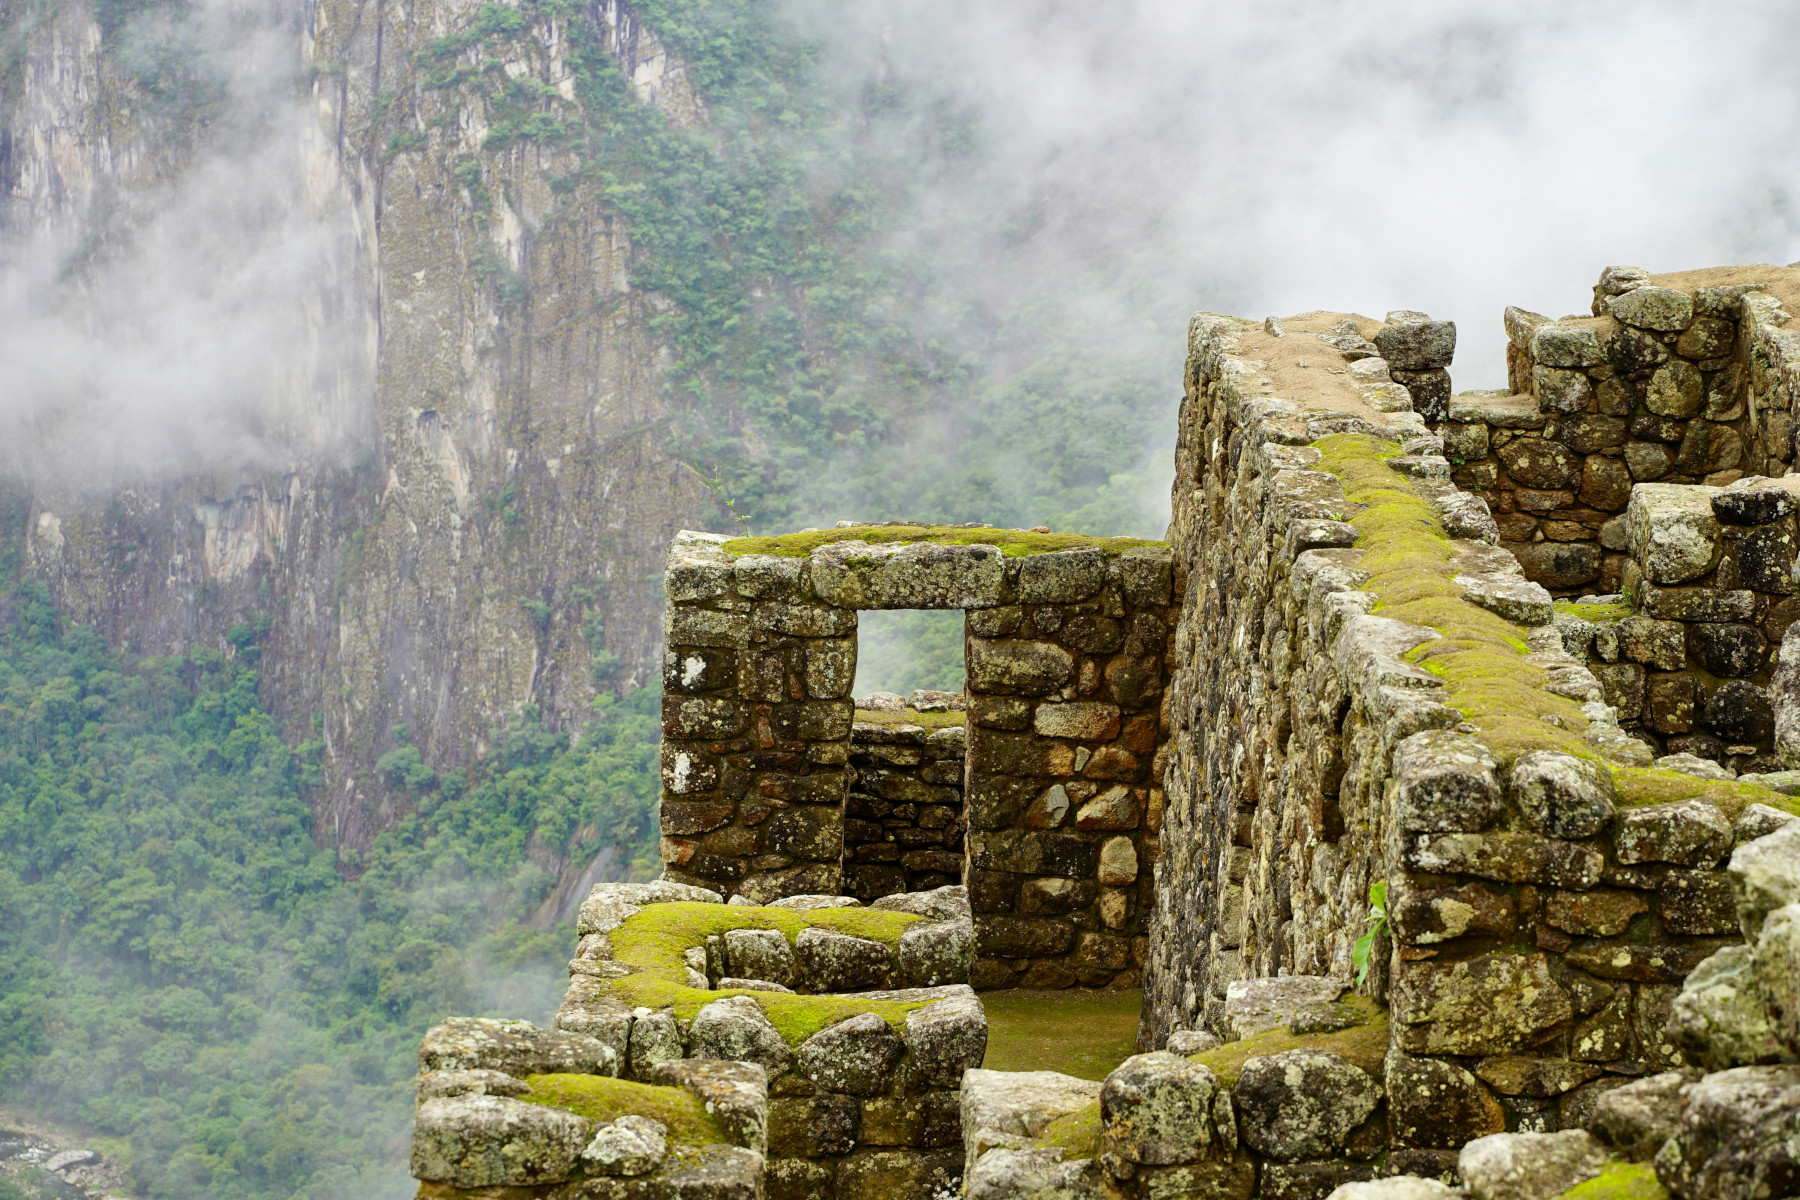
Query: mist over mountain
358	362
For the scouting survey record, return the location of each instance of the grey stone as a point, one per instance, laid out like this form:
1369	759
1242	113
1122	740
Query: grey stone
937	952
1688	833
1118	862
1417	345
1508	857
761	954
655	1038
1515	599
1061	578
479	1082
1012	666
628	1145
945	1038
1255	1005
1719	1020
1692	764
517	1048
1561	391
1445	781
856	1056
950	903
1784	693
1495	1003
1159	1109
1778	972
856	575
1646	461
1032	1174
1434	1103
1637	1118
1555	344
1301	1104
1740	712
1501	412
1011	1109
772	577
1396	1187
735	1093
1529	1166
1561	795
1677	391
476	1141
1759	820
811	902
1739	1137
735	1029
837	962
1188	1042
609	904
1663	310
1674	535
1756	505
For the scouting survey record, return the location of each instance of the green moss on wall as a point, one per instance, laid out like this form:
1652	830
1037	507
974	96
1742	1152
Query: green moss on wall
1363	1046
1481	655
930	720
1620	1181
1076	1134
1014	543
1599	614
600	1098
652	943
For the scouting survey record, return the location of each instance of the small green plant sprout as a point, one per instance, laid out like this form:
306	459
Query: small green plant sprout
716	485
1377	925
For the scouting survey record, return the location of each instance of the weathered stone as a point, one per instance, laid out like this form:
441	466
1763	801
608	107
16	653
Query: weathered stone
937	953
1445	781
812	832
1605	1036
655	1038
627	1145
1147	574
1253	1006
1031	1174
945	1038
1741	712
1496	1003
1606	483
698	717
1698	903
1561	391
772	577
856	1056
856	575
1396	1187
1556	344
1763	877
1688	833
1301	1104
1558	565
1708	447
1669	699
837	962
1309	1180
476	1141
1160	1109
1533	1075
734	1029
1501	412
1061	578
830	668
1664	310
517	1048
1719	1020
1464	442
826	1123
1417	345
1423	917
1536	462
1429	391
1436	1104
1759	820
1637	1118
1529	1166
1118	864
1115	808
1754	505
1091	635
1633	352
1187	1042
1513	598
1674	535
1740	1130
1080	720
1777	958
1676	390
802	620
1765	558
1508	857
1010	1109
1561	795
736	1094
761	954
1018	667
1599	913
1707	337
702	627
1643	963
480	1082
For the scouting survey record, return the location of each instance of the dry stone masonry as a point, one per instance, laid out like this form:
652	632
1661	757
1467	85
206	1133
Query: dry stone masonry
1436	781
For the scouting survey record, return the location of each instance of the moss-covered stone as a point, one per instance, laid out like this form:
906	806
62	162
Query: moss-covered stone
602	1098
1364	1046
652	943
1620	1181
1076	1134
1014	543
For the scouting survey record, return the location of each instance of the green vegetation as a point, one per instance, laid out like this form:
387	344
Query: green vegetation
1377	925
1078	1032
1076	1134
602	1099
1014	543
1599	614
1620	1181
187	971
1364	1045
1481	655
652	942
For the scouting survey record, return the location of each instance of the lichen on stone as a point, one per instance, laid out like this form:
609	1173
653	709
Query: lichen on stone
1364	1045
1620	1181
1013	543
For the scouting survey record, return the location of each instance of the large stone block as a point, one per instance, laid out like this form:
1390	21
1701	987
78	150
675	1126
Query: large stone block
1417	344
734	1029
761	954
1561	795
1729	651
837	962
1764	878
1529	1166
517	1048
1660	309
1674	535
1739	1129
1720	1020
1445	781
1436	1104
1158	1109
1495	1003
1010	1109
1508	857
856	575
1017	667
1061	578
1778	972
856	1057
945	1038
1687	833
1535	462
479	1141
1558	565
1301	1104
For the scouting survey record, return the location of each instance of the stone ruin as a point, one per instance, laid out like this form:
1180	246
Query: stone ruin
1435	780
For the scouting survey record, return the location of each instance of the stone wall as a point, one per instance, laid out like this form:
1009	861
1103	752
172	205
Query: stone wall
903	821
1546	890
1064	646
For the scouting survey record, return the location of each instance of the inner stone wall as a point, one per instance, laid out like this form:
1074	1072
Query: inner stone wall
903	822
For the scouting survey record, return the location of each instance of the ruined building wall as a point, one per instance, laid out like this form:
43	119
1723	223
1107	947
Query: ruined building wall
903	821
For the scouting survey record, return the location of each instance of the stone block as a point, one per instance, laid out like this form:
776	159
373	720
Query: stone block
734	1029
654	1039
1146	574
1777	958
1310	1180
1673	533
1083	720
1660	309
1730	651
1647	460
686	627
1018	667
1765	557
937	953
1006	1174
1763	877
1561	391
1603	912
1429	390
814	832
1539	463
823	1124
1061	578
1445	781
1538	1076
1558	344
1638	1117
1023	937
830	668
699	718
885	1174
1605	483
1436	1104
1158	1109
802	620
1515	599
1736	1135
626	1146
1651	962
1116	808
772	577
1301	1104
1698	903
1529	1166
697	669
856	1056
1687	833
856	575
736	1094
1495	1003
761	954
1030	852
1254	1006
1510	857
1417	345
1759	503
480	1141
1659	644
1624	687
837	962
945	1039
1561	795
1409	1186
1676	390
1092	635
1118	863
516	1048
1558	565
1427	916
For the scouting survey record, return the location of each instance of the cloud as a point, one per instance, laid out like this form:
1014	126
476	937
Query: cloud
176	316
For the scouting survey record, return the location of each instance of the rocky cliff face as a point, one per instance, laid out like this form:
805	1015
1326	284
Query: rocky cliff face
469	512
